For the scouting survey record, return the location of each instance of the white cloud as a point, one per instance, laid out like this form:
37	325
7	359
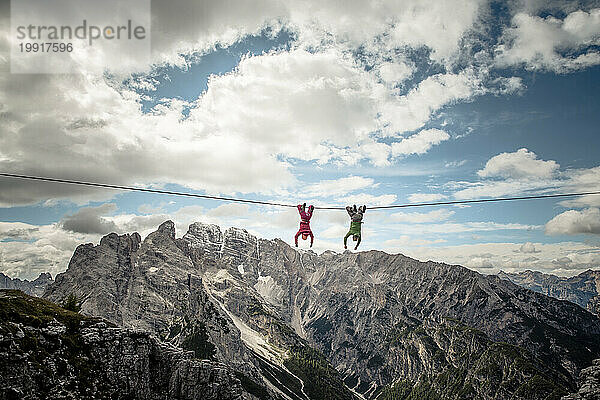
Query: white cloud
405	241
324	107
229	209
17	231
455	164
564	258
419	143
95	131
385	26
425	197
437	25
503	188
377	152
520	164
527	248
187	27
312	105
541	43
521	172
293	102
369	199
583	180
575	222
582	201
43	248
392	73
412	111
90	220
419	218
456	227
150	209
334	231
507	86
338	187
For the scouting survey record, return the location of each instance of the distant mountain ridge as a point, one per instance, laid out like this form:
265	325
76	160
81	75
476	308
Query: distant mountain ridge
35	287
297	325
582	289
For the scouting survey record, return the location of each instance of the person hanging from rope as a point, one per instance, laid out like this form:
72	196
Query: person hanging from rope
304	223
356	216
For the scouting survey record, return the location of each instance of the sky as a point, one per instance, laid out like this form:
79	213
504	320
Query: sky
329	103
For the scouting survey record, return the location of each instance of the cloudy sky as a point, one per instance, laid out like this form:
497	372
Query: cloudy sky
367	102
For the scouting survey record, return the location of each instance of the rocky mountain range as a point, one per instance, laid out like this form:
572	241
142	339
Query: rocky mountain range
35	287
291	324
582	289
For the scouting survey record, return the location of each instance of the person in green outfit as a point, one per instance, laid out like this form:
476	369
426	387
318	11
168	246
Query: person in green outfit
356	216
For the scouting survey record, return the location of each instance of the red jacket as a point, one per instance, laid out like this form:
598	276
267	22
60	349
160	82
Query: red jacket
305	219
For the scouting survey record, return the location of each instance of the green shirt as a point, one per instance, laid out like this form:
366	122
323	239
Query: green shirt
355	228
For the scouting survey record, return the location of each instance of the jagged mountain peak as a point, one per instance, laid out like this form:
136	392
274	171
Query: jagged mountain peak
130	241
44	276
167	228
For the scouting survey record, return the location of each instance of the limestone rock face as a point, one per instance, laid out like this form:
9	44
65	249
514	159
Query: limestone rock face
299	324
589	388
49	352
151	286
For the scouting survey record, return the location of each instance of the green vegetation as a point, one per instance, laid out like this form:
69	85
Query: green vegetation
423	390
198	342
507	365
71	303
455	324
398	391
453	383
398	332
406	390
499	369
497	355
257	309
450	384
18	307
539	387
321	380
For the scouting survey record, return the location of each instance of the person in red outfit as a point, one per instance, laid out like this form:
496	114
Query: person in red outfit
304	223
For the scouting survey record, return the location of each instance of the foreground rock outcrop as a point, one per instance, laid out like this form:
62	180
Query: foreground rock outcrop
51	353
589	380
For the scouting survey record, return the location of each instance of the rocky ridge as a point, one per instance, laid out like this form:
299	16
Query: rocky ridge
296	323
35	287
582	289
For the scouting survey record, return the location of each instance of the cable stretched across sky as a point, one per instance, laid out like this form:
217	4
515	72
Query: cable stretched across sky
269	203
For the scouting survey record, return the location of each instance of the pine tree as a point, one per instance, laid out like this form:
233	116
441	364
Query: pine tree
72	303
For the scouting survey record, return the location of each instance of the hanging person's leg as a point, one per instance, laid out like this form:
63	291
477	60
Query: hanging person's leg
346	239
357	243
